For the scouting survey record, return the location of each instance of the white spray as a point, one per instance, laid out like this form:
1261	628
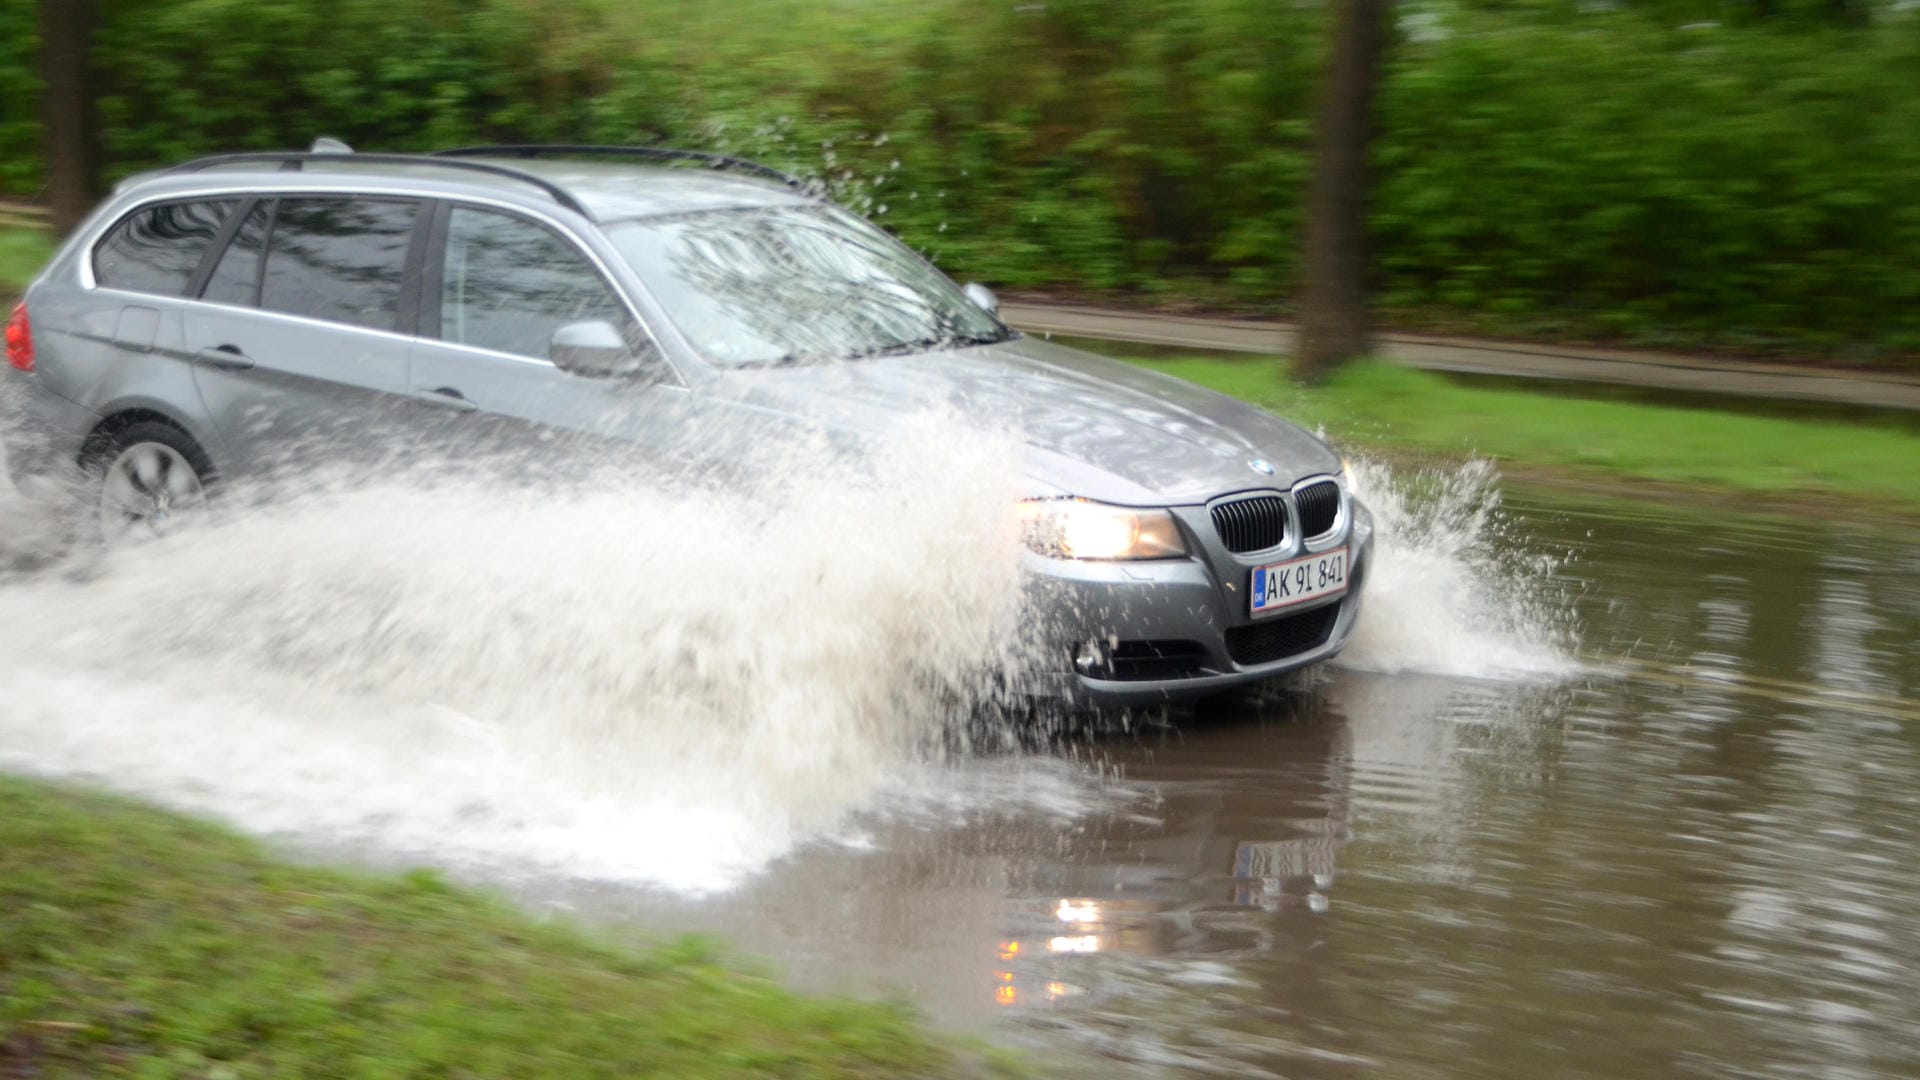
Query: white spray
616	683
1451	591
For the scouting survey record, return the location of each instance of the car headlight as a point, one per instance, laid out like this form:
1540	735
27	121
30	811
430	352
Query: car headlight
1078	529
1346	473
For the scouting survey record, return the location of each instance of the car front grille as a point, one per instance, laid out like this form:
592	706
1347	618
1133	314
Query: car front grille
1279	638
1252	524
1319	507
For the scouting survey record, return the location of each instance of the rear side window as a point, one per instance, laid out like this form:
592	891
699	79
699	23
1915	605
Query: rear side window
339	259
157	249
508	284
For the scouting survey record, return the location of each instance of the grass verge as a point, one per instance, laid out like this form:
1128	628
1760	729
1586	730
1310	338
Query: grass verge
23	251
1402	410
137	943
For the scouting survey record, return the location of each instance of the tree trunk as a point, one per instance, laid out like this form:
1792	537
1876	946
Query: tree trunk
1334	326
67	110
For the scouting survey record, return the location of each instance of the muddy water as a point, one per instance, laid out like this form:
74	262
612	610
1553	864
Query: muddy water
1696	855
1603	789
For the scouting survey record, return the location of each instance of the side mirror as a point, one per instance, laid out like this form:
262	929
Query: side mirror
982	297
595	348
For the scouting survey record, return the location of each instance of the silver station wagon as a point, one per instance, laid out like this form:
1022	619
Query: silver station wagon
212	315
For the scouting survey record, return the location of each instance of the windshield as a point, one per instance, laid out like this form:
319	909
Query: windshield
784	284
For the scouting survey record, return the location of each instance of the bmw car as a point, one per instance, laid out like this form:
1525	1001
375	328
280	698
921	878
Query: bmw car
211	314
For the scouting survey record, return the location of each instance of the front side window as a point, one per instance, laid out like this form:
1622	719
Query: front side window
507	284
783	284
157	249
339	259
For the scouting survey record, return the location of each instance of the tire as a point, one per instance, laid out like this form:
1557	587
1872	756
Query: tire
144	479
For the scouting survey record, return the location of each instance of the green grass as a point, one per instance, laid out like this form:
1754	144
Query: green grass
22	252
1398	409
137	943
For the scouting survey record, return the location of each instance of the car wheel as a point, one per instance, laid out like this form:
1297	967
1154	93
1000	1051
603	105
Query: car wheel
150	476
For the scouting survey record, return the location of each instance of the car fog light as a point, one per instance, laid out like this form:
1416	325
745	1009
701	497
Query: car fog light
1090	657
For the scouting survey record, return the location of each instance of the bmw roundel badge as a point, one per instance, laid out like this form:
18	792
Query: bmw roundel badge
1260	465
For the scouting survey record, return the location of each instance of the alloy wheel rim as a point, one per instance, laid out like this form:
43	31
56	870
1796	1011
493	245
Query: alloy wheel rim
146	489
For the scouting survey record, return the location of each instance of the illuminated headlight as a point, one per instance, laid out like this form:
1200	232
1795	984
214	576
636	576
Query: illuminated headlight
1346	473
1077	529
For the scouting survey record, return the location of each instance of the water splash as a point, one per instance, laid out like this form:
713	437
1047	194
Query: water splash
1454	589
620	682
616	683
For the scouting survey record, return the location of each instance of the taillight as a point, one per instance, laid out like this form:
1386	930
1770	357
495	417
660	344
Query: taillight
20	339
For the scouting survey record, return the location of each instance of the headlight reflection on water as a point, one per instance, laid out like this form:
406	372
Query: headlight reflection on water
1028	972
1078	911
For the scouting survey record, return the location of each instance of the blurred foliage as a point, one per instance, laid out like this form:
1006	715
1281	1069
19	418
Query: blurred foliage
19	97
22	252
1734	173
1613	175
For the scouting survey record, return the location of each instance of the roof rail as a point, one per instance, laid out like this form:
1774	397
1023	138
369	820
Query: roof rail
650	153
293	160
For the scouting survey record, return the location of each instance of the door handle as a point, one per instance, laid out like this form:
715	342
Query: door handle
444	397
224	357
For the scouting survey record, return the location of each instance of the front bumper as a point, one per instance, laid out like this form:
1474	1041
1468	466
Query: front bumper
1176	616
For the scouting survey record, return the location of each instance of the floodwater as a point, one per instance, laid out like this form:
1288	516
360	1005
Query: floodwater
1607	788
1693	852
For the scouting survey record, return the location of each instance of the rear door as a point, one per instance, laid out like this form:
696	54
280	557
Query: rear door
301	340
497	287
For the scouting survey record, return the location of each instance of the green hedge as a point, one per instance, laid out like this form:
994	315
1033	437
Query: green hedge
1625	174
19	98
1749	187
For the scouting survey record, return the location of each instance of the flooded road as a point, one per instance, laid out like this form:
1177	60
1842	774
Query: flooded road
1698	855
1605	789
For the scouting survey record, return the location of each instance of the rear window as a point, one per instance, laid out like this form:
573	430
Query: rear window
339	259
157	249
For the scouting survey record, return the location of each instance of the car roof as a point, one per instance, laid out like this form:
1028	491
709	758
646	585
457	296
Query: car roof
608	191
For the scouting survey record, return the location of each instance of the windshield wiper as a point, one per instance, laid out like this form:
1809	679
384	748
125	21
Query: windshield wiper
992	338
929	344
783	360
900	348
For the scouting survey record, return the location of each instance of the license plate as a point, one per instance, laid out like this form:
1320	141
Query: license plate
1279	585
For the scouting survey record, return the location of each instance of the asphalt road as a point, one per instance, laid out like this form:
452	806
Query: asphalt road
1669	371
